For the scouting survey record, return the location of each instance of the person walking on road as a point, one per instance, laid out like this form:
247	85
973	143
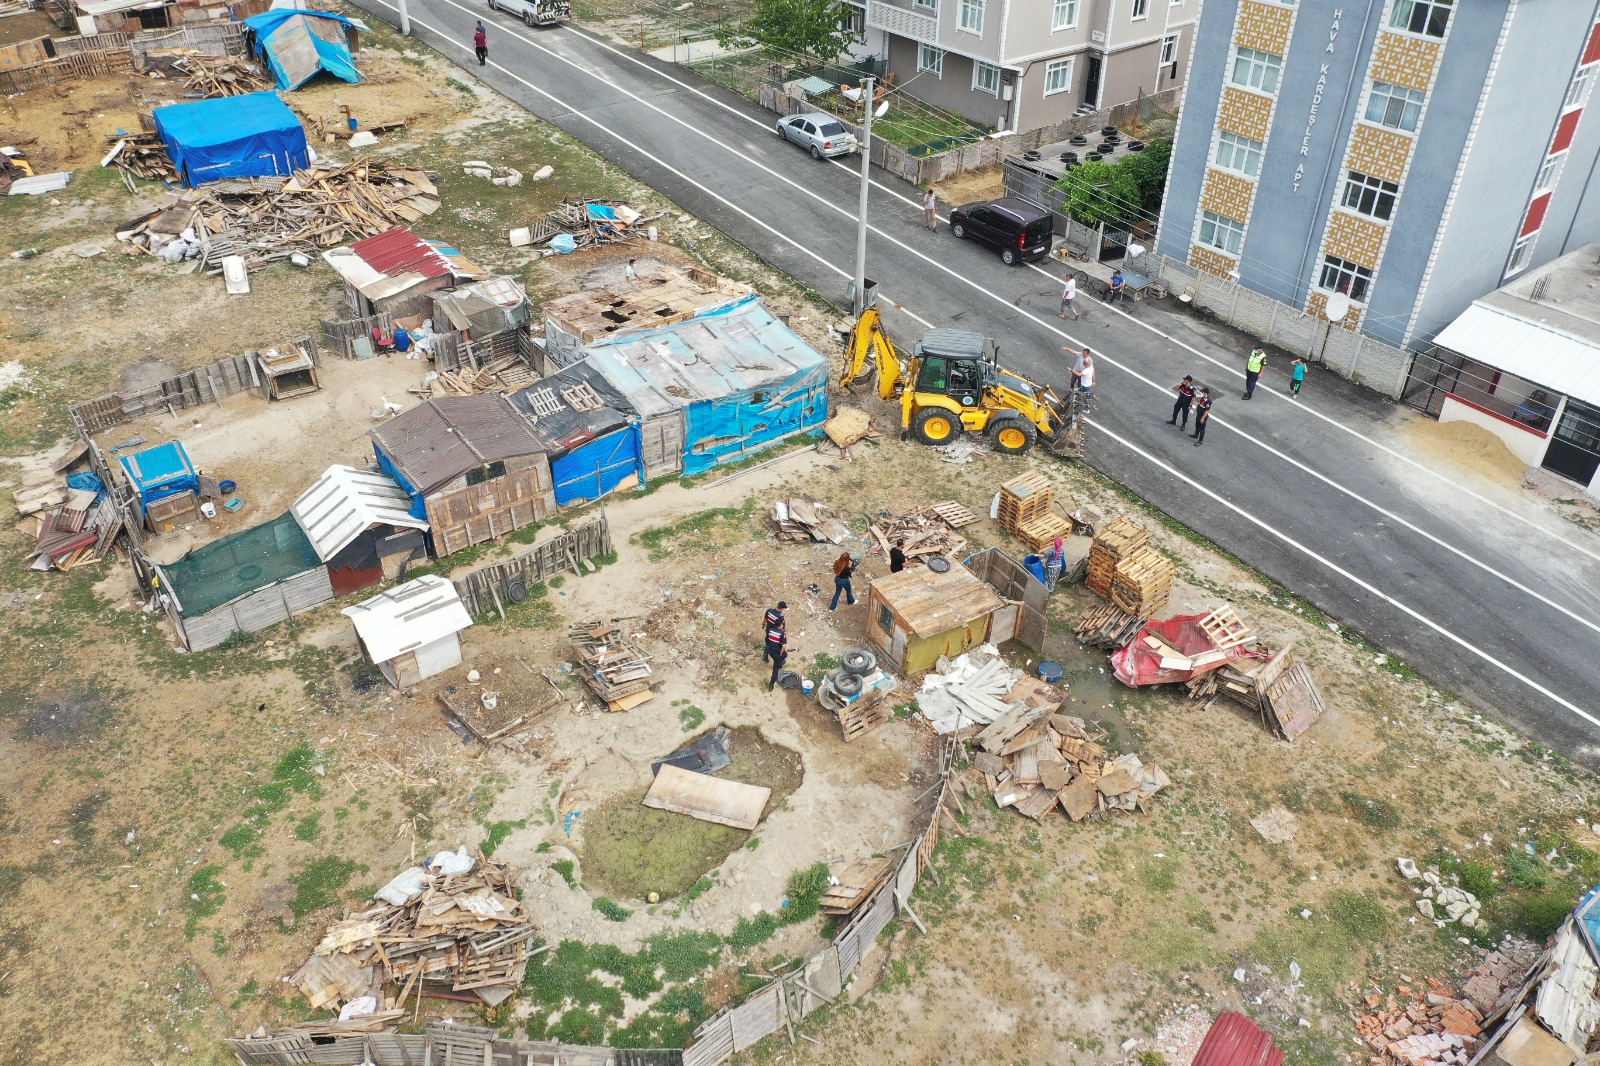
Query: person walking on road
843	567
1069	297
1252	370
1184	402
930	210
1297	377
1118	289
897	556
775	646
480	43
1202	416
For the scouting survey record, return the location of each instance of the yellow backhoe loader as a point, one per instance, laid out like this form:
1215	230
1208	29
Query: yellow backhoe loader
952	384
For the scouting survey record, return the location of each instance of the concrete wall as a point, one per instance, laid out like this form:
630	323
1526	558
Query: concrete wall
1520	441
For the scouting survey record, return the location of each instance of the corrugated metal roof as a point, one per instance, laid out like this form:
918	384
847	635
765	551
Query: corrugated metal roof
706	358
442	438
345	502
565	429
399	251
1235	1040
1566	1002
1533	352
408	616
41	183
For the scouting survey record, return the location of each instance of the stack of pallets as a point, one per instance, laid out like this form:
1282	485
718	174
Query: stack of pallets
1025	512
1117	541
1141	584
612	668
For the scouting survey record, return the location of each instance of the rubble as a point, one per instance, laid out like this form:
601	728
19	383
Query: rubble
612	668
1439	1026
591	223
1438	901
927	531
1277	686
206	75
801	518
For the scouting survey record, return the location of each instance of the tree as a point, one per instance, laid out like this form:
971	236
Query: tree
1100	192
816	31
1149	169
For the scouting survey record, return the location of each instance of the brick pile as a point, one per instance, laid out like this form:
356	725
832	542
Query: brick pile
1438	1027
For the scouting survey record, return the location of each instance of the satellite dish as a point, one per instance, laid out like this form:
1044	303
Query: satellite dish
883	109
1338	306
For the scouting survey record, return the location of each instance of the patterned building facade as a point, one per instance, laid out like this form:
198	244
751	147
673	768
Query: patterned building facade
1411	154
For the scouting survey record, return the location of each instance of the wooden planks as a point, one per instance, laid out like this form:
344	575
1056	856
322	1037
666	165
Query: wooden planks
1024	497
855	883
1118	540
710	799
865	714
1141	583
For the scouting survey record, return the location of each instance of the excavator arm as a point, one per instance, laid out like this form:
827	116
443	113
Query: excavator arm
870	348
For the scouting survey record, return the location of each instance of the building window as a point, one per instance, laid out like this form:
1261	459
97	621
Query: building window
1257	70
1348	278
1549	174
930	60
1521	254
855	21
931	5
1169	50
1057	77
1393	106
1219	231
1064	16
493	472
1369	196
1239	154
885	618
1427	17
972	16
1579	90
986	78
1141	10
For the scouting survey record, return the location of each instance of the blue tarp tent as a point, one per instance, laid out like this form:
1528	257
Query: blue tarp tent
232	137
297	44
591	450
159	472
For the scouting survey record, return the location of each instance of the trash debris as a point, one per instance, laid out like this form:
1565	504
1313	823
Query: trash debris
495	175
1108	626
612	668
799	518
1276	826
589	223
927	531
1279	687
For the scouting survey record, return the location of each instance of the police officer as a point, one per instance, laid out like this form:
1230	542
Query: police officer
1202	416
1252	370
775	646
1185	399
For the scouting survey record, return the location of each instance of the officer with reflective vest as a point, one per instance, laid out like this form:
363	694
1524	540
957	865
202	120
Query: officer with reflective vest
1181	406
1252	370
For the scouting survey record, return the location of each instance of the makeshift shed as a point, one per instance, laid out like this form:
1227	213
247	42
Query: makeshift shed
662	297
593	447
165	484
246	581
394	271
412	631
287	374
736	381
361	526
296	45
470	464
917	615
247	136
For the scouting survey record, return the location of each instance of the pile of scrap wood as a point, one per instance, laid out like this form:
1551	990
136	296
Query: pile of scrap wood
974	688
1035	760
266	219
613	669
1279	688
207	75
592	222
849	425
439	929
927	531
505	374
854	885
1108	626
81	530
1025	512
799	518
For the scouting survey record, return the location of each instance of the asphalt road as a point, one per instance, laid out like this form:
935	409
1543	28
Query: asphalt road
1487	596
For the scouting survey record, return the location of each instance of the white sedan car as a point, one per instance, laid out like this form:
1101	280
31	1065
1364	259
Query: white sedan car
822	135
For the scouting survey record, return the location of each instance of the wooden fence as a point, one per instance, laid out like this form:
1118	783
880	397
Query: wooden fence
254	611
341	335
450	350
207	384
118	53
441	1043
485	590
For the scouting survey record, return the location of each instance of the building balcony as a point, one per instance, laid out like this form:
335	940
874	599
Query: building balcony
902	22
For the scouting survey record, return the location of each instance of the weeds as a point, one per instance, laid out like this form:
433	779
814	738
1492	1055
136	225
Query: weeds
611	910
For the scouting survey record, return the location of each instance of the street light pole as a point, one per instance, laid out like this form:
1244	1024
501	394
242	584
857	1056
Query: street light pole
405	20
861	209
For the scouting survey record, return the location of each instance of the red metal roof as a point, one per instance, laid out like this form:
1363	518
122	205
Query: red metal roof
1235	1040
399	251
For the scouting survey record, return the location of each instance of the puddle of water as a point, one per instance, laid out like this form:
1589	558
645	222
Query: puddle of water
1093	692
629	850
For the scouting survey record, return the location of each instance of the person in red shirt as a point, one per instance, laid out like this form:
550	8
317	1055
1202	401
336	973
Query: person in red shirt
480	43
1185	398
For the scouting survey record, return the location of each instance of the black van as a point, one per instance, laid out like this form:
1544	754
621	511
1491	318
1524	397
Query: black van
1020	230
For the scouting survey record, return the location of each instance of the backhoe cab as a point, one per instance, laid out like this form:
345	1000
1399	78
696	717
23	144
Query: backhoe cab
952	383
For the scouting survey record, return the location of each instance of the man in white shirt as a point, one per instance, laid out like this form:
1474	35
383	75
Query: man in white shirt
1086	375
1068	297
930	210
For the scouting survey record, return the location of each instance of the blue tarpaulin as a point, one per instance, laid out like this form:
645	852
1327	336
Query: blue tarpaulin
232	137
297	44
88	482
159	472
590	471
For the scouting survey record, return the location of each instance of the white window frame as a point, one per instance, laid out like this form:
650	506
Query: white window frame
1521	253
1549	173
1141	11
1221	232
930	60
979	67
1069	8
1582	82
1401	16
969	16
1235	154
1050	69
1169	43
1408	98
931	5
1259	68
1356	271
1367	186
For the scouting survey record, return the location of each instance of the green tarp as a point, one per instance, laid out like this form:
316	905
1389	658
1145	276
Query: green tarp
240	563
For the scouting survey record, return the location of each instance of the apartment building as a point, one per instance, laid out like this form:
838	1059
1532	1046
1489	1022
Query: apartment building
1410	154
1019	65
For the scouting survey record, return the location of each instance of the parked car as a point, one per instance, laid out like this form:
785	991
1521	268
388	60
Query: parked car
823	135
535	12
1020	230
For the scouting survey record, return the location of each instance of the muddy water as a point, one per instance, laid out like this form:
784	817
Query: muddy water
629	850
1093	692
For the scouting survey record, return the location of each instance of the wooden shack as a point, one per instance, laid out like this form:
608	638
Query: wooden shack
290	373
395	271
917	615
412	631
472	467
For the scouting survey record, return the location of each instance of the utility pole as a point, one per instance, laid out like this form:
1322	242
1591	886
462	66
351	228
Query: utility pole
861	210
405	19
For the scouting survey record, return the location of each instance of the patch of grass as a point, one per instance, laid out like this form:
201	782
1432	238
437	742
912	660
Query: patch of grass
204	896
1160	874
1361	916
319	884
241	639
752	844
821	663
753	932
241	840
566	868
691	718
710	530
309	828
1540	916
498	831
611	910
557	581
1374	813
805	890
698	889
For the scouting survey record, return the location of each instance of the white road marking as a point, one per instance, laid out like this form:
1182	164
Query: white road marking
1038	321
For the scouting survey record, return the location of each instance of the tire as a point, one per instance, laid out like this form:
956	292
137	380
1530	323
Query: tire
959	230
859	662
847	685
935	425
816	153
1009	257
527	19
516	590
781	131
492	6
1013	434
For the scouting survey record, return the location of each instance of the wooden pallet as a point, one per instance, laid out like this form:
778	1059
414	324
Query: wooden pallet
1040	532
1108	626
864	715
1118	540
955	516
1142	582
1224	628
857	883
1023	497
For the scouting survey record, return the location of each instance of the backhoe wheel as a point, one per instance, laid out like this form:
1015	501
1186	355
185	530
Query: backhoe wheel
935	425
1013	435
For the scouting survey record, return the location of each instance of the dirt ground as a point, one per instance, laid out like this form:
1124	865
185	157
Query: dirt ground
1464	445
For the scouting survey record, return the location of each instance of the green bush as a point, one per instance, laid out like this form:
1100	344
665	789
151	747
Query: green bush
806	888
1542	915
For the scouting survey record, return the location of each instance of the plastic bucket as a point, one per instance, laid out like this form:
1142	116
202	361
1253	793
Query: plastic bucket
355	124
1049	673
1035	565
807	685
